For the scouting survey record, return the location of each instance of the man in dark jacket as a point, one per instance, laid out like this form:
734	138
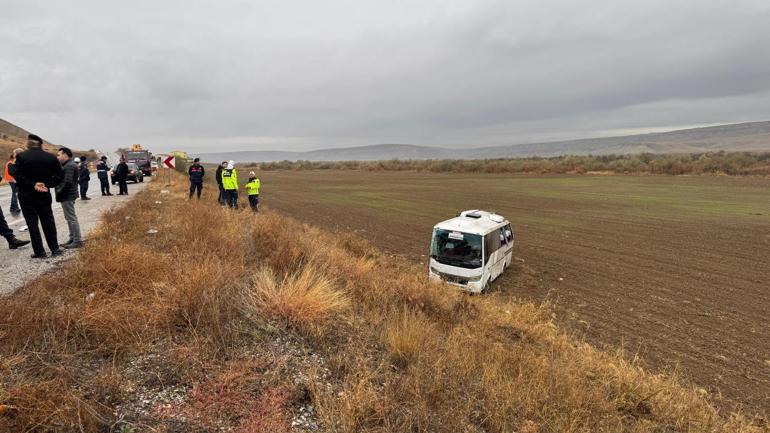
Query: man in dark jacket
36	171
121	175
84	177
103	173
7	233
222	199
196	173
67	193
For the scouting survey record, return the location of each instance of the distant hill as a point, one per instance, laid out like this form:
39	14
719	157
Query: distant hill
753	136
13	137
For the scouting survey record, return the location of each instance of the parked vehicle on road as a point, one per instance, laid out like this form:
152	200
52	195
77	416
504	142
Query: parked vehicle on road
141	157
471	250
134	173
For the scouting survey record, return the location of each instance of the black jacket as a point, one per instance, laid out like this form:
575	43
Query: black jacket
102	170
33	166
121	171
196	173
219	175
67	189
85	175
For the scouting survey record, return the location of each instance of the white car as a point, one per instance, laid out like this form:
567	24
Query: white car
471	250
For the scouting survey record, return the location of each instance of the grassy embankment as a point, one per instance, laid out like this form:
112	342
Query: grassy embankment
729	163
248	316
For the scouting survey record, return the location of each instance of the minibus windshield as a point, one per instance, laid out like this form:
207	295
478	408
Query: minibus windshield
456	248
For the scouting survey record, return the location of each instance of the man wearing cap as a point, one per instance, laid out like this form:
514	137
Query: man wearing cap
230	184
196	173
102	172
36	172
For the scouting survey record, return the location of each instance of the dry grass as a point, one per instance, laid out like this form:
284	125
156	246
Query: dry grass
409	335
403	354
306	299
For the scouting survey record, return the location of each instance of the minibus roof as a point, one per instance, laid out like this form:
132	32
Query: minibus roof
477	222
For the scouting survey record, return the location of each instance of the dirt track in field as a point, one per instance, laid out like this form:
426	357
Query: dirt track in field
674	269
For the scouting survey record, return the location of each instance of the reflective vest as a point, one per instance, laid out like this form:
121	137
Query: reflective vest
253	187
8	177
229	179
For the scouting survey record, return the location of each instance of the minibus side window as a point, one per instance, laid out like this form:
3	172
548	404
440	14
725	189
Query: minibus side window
491	244
508	234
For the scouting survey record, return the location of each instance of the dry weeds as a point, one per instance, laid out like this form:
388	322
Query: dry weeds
404	354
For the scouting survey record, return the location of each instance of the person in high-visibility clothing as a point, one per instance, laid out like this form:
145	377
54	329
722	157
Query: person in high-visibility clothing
230	184
252	188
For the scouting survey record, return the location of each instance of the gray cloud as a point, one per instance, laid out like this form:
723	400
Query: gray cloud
238	75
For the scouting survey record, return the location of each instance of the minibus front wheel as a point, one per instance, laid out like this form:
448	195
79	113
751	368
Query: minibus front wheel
485	289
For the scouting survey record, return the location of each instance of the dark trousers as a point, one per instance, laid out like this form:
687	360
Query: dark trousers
38	209
222	195
5	231
123	186
83	188
232	198
14	197
196	186
254	202
105	185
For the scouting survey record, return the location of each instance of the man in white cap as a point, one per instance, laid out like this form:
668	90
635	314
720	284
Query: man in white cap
230	184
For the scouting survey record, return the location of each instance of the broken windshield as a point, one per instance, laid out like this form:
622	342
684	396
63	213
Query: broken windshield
456	248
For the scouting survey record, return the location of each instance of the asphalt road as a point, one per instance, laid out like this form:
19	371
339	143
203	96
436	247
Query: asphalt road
17	267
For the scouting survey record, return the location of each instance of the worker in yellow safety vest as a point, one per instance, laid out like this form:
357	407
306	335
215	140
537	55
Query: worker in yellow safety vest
230	184
252	188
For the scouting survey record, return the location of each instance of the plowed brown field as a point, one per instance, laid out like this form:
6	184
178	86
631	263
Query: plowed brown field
674	269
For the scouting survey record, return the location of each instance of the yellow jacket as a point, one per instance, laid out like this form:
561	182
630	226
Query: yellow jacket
253	186
229	179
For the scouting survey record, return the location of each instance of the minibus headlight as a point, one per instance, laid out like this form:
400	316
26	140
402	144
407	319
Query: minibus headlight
474	279
434	270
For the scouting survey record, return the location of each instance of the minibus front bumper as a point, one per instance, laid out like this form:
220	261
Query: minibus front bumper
471	284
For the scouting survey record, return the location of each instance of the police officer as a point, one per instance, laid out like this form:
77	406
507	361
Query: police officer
252	189
84	178
230	184
103	173
196	173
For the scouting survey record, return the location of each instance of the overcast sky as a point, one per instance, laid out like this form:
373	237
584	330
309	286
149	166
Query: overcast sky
299	75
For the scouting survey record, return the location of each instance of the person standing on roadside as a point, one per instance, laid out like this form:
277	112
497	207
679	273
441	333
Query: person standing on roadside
77	164
7	232
84	177
196	173
121	174
102	172
230	184
12	182
222	197
36	171
252	188
66	194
